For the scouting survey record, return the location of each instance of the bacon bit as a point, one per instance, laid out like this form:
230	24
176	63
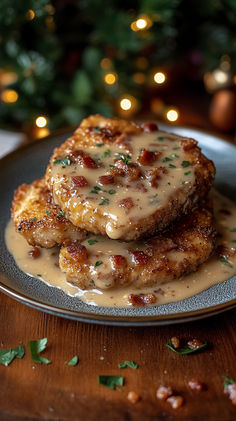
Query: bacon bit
155	174
139	186
231	391
133	397
140	257
133	172
78	251
175	342
117	171
126	203
142	299
188	144
225	212
176	401
34	253
76	156
106	179
222	251
147	157
80	181
164	392
194	343
118	260
149	127
196	385
88	162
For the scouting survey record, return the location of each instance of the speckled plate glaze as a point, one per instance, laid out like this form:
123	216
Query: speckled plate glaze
29	163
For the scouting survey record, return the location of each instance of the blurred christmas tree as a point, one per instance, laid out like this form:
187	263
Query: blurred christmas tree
65	59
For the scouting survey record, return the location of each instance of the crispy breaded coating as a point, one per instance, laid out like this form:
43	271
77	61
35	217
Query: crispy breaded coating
104	263
126	181
38	219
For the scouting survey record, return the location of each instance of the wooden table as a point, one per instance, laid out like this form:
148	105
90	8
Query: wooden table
31	391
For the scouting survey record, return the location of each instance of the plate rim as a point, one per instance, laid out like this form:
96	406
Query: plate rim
116	320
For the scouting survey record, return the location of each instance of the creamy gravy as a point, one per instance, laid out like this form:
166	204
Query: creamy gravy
214	271
107	198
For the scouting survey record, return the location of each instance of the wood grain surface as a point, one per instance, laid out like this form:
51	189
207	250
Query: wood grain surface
30	391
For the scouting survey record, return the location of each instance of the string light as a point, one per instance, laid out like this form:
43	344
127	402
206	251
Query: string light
41	132
106	63
159	78
110	78
9	95
41	121
125	104
172	115
6	78
30	14
143	22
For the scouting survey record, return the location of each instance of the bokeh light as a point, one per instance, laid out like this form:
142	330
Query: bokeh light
159	78
110	78
172	115
125	104
41	121
9	95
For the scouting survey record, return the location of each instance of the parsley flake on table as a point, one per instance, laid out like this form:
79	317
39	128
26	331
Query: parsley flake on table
111	191
99	145
173	155
36	347
160	138
187	350
130	364
111	381
92	242
185	164
166	159
64	161
225	262
74	361
8	355
98	263
228	381
172	166
187	173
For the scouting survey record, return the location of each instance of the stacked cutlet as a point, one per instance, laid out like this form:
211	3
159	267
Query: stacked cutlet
127	204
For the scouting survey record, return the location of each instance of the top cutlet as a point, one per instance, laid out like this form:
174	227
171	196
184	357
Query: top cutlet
72	184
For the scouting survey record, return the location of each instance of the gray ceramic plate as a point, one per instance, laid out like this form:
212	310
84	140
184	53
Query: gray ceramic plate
29	163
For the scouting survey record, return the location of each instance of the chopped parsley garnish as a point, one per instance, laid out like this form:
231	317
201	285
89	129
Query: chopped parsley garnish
97	130
112	166
225	262
8	355
48	213
228	381
169	183
187	172
36	347
111	191
104	202
39	274
61	213
99	145
98	263
233	230
125	158
74	361
173	155
176	148
107	153
111	381
187	350
166	159
183	182
172	166
34	219
185	164
130	364
160	139
92	242
96	157
64	161
95	190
